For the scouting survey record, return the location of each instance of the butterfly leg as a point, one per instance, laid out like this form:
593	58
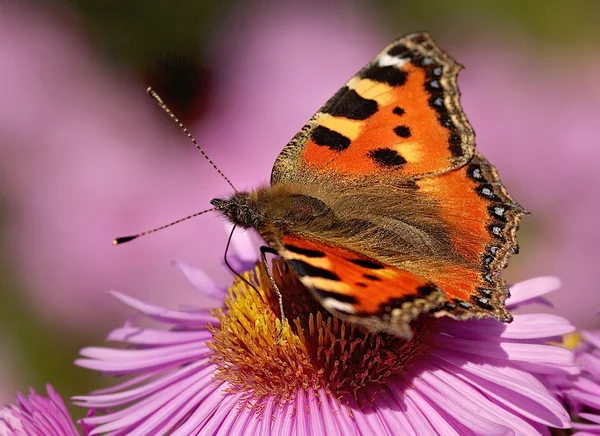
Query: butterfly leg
263	257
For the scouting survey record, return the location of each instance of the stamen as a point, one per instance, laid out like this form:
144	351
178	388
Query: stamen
317	350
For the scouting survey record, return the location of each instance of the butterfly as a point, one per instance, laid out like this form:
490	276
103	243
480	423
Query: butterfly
382	205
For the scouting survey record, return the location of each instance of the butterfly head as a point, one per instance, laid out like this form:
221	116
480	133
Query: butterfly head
239	209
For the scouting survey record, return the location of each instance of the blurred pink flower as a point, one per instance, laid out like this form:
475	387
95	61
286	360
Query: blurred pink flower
534	113
86	156
36	415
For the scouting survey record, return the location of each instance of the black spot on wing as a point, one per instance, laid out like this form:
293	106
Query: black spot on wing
455	142
495	230
434	72
426	290
463	304
390	75
482	302
487	293
399	51
398	111
386	157
445	120
402	131
304	251
499	211
335	99
329	138
486	191
474	171
369	264
353	106
306	269
371	277
487	261
320	293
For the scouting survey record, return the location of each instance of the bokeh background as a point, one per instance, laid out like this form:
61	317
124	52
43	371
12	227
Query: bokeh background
87	156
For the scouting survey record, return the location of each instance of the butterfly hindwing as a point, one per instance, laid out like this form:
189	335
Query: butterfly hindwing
482	221
360	289
399	116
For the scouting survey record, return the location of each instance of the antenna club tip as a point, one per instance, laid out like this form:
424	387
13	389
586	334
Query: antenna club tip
119	241
149	90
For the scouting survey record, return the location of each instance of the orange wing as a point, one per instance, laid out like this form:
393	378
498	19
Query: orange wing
362	290
399	116
481	220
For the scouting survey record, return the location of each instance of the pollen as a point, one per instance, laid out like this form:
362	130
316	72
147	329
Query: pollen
316	350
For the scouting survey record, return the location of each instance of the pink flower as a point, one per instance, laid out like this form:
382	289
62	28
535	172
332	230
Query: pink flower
36	415
326	377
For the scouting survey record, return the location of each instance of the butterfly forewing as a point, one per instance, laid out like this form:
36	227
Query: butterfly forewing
399	116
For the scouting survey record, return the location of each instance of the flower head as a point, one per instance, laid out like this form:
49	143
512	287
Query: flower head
225	370
36	415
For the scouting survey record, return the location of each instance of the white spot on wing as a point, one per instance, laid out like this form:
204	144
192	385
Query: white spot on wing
332	303
385	60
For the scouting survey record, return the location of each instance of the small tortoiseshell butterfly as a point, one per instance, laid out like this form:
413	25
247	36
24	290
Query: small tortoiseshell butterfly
381	204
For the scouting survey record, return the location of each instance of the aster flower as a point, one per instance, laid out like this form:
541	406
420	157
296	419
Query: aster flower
222	371
581	394
36	415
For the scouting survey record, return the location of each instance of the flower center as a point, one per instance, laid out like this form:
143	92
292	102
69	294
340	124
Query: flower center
316	350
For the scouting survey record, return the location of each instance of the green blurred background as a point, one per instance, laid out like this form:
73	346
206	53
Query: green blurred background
100	56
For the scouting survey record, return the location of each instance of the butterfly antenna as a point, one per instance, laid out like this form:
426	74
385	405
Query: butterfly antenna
124	239
238	275
164	107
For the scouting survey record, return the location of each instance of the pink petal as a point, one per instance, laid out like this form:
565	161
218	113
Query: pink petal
343	423
211	411
139	336
109	400
517	390
435	421
532	288
158	313
467	405
593	338
536	325
201	281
